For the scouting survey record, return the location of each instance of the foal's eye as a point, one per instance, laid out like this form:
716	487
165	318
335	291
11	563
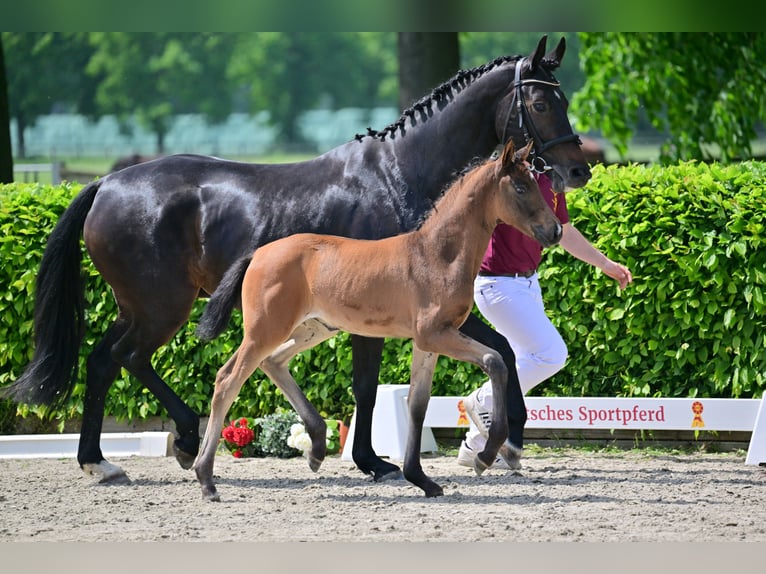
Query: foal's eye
520	189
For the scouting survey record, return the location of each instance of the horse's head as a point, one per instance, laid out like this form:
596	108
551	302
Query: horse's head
536	109
520	202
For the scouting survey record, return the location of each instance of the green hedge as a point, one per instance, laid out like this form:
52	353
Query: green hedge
691	324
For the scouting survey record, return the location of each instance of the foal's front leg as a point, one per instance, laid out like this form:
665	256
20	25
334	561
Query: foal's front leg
455	344
421	380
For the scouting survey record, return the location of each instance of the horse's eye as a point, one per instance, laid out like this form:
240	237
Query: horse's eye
539	107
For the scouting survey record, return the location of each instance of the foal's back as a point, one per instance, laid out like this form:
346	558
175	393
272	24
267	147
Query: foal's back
358	286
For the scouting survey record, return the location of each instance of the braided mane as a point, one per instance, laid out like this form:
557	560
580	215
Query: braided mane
462	79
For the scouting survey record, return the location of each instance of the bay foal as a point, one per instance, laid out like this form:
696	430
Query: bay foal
416	285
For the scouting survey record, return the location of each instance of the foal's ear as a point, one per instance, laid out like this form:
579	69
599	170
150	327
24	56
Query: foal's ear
508	154
521	155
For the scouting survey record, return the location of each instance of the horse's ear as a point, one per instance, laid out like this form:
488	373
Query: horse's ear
521	155
554	57
536	56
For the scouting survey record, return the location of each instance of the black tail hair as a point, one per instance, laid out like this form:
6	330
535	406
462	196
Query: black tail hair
59	316
228	294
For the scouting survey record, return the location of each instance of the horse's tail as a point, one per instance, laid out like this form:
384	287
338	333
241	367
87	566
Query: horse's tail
59	323
228	294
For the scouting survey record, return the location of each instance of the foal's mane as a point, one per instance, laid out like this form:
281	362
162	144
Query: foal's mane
467	176
461	80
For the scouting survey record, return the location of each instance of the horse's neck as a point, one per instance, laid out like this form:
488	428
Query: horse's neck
456	133
461	224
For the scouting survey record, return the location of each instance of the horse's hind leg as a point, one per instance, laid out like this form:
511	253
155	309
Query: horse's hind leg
134	351
101	372
367	355
423	364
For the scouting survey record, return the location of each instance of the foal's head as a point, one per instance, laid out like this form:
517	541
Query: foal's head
519	201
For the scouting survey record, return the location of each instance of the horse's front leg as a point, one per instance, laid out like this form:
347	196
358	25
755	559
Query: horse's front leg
478	330
367	355
423	364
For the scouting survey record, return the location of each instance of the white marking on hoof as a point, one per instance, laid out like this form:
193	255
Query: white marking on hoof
106	471
511	455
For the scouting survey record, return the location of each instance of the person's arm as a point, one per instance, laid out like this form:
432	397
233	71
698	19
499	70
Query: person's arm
576	245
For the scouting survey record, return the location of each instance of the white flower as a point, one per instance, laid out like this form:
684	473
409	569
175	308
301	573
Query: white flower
297	429
303	442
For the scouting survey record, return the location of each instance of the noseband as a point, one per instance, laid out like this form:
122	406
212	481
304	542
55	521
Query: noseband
528	126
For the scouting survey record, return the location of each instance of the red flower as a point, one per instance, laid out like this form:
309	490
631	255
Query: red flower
243	422
237	454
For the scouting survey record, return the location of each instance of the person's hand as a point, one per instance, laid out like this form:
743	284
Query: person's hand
619	273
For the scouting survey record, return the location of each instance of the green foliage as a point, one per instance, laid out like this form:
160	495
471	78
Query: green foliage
691	324
275	428
706	91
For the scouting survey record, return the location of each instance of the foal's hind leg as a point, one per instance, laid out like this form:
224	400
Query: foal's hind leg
228	383
304	337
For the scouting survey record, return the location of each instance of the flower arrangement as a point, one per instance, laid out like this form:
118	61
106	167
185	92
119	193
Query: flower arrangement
239	438
280	434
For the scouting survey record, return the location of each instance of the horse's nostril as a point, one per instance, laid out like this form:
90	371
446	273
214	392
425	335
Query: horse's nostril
580	172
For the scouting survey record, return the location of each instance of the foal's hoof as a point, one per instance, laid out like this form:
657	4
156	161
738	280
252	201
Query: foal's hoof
185	459
511	455
211	495
479	466
314	462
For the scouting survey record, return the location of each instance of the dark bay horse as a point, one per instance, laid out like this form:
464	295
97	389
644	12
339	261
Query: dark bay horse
164	232
417	285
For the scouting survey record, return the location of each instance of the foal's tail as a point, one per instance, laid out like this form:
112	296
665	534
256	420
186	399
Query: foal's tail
59	323
228	294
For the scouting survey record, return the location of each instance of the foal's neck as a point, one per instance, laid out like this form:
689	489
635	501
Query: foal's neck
459	228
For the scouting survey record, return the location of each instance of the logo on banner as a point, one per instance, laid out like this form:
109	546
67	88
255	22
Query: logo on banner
697	409
462	419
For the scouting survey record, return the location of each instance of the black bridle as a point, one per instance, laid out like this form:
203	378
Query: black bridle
528	126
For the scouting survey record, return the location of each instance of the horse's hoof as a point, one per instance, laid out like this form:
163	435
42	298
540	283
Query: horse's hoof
511	455
383	471
185	459
434	491
107	472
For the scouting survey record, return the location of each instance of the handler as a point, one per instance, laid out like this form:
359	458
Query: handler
507	292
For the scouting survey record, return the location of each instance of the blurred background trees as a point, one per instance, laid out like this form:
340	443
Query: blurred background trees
699	95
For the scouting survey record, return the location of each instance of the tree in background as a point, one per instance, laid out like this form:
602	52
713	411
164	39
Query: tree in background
45	70
6	153
159	75
288	73
704	91
426	59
